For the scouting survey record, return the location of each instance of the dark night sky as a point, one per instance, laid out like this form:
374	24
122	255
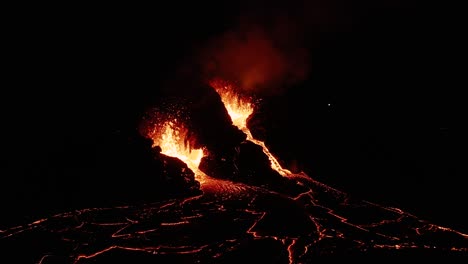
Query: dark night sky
390	71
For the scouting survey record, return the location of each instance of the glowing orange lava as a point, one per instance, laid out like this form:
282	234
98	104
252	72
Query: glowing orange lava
239	109
172	137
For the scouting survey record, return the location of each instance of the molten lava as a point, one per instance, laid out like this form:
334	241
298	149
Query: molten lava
229	217
239	109
173	139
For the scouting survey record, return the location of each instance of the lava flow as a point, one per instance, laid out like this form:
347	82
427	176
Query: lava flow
230	222
239	109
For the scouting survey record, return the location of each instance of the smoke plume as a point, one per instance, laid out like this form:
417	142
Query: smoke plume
262	55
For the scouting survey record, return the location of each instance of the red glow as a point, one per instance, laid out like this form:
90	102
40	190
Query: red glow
259	59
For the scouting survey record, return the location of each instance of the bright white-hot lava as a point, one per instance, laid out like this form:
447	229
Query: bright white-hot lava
173	139
239	109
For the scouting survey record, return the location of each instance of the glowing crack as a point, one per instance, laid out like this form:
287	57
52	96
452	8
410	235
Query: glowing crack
228	215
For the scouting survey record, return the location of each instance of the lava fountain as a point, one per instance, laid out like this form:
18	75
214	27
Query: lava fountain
173	138
239	109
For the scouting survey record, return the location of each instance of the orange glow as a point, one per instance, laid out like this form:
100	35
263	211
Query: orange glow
258	57
173	139
239	109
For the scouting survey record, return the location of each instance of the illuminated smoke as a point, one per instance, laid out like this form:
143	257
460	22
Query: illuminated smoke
258	58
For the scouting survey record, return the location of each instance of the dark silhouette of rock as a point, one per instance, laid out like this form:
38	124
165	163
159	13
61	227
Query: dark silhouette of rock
212	123
255	169
136	172
118	168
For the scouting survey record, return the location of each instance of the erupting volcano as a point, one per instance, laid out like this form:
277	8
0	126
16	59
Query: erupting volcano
233	132
232	219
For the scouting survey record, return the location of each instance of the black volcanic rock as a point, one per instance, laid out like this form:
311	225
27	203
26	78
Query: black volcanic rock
116	169
178	180
254	164
219	166
214	129
250	165
255	169
139	173
275	125
212	123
